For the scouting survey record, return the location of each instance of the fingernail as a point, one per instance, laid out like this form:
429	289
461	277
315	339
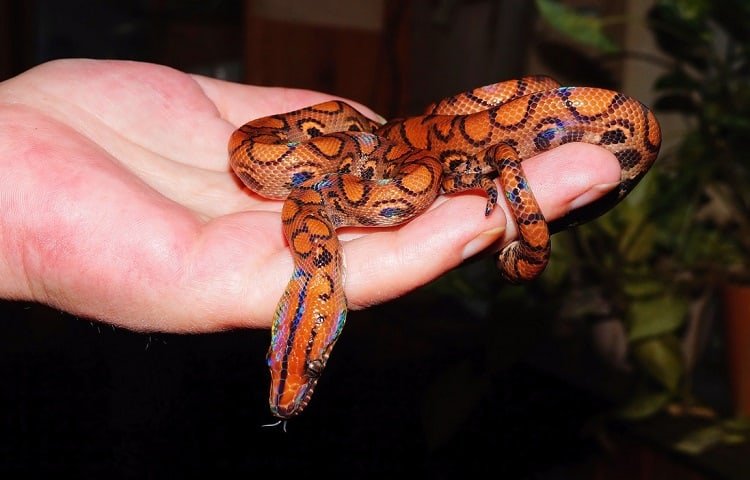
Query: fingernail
481	241
592	194
378	118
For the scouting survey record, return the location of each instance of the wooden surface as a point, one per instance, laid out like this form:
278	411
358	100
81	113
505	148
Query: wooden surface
355	63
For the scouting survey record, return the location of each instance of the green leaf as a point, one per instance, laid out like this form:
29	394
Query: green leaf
643	405
640	287
737	425
733	438
700	440
655	316
584	29
661	359
641	246
689	9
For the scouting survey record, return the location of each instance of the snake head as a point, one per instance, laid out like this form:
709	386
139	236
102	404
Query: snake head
308	321
292	388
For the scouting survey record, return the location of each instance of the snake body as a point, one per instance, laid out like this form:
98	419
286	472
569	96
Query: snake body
334	167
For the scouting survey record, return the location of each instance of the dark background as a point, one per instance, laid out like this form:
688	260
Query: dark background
428	383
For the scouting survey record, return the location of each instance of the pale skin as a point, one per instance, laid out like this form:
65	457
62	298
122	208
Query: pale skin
117	203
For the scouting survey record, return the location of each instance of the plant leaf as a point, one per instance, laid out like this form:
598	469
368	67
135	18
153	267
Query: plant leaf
700	440
737	425
733	439
655	316
641	246
661	360
584	29
643	405
640	287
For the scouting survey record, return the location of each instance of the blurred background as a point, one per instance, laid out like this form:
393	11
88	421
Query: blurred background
628	359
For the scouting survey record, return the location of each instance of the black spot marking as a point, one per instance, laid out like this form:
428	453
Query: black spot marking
368	173
313	132
613	137
628	158
323	258
454	164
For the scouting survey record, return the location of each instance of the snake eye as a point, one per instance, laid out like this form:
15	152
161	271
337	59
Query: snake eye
314	368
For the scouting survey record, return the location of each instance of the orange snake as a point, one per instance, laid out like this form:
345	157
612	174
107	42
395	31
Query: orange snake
334	167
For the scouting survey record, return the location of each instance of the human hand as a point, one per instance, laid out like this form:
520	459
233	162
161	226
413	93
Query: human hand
117	202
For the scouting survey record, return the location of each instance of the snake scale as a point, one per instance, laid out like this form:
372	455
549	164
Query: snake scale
333	167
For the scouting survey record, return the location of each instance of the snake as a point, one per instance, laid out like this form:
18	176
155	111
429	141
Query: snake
334	167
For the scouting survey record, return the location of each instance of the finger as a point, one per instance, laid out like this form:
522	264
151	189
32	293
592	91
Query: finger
232	289
385	265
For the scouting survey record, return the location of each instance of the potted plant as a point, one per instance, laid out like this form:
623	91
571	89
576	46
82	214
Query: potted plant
684	234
